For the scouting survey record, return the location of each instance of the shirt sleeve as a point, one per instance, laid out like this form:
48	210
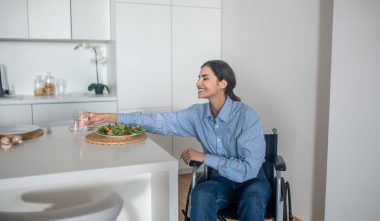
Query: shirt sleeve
171	123
250	153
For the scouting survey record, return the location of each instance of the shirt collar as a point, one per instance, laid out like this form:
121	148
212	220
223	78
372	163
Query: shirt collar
224	112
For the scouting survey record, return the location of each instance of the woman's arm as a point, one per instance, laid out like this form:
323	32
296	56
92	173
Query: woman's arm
172	123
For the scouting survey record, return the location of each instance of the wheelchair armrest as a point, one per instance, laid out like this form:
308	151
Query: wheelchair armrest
194	163
279	163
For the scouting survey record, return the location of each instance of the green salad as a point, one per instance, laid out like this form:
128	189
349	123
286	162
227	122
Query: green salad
119	129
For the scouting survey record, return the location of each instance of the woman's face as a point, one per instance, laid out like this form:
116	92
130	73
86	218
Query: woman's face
208	84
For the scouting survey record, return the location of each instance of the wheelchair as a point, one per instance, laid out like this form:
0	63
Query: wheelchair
273	166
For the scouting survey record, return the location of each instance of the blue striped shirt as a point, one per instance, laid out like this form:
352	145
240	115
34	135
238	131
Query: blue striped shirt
233	141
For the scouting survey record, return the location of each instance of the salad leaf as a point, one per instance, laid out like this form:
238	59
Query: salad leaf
119	129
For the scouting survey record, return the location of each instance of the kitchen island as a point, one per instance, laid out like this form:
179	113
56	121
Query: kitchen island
61	169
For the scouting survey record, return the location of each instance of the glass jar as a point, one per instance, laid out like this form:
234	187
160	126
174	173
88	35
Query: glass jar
38	86
49	85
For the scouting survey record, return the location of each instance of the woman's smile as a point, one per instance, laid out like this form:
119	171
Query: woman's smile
200	90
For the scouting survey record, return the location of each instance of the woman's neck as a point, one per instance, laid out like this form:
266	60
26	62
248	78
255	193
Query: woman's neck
216	104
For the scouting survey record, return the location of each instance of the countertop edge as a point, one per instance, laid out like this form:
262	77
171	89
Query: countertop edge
29	99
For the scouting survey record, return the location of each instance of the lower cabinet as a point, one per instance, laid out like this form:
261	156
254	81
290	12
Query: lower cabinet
60	114
164	141
15	114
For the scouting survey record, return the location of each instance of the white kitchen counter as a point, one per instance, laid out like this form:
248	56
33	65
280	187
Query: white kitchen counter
69	98
42	171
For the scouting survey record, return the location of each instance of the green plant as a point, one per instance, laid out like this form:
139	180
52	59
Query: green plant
99	59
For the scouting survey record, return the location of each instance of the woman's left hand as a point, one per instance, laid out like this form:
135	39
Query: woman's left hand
190	154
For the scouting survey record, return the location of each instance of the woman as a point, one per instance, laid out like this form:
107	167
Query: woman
232	140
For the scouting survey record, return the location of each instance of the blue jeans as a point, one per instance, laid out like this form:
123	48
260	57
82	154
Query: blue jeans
251	198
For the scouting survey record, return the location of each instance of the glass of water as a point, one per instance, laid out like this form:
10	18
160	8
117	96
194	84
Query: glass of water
80	118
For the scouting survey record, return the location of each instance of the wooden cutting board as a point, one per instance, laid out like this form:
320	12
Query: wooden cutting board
95	138
27	136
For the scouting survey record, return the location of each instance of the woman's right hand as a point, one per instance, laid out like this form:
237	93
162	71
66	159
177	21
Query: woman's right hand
98	118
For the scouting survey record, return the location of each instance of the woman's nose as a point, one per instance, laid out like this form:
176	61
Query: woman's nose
199	82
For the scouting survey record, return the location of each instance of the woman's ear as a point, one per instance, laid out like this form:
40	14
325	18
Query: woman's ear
223	83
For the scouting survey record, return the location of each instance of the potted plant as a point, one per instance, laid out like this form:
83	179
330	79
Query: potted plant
99	59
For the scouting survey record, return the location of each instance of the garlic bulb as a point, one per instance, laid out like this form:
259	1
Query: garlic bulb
5	140
6	146
6	143
17	139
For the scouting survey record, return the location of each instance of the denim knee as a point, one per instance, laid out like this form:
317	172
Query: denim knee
202	194
252	206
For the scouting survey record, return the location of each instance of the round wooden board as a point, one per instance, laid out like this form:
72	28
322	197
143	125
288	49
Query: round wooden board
27	136
95	138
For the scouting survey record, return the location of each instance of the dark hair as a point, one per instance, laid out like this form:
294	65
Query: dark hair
223	71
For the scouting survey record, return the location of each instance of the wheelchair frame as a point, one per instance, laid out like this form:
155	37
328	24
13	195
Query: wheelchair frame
278	184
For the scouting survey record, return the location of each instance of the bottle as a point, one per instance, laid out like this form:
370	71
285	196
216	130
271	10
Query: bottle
49	84
38	86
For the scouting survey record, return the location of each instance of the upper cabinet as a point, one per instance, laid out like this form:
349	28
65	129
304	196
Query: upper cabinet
196	38
91	19
55	19
13	19
198	3
160	2
143	55
49	19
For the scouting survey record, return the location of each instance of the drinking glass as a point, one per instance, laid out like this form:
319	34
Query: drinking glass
80	121
61	87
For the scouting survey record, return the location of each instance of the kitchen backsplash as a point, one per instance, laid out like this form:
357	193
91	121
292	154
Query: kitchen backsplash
26	60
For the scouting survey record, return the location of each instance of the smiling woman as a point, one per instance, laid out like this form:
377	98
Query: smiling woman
237	161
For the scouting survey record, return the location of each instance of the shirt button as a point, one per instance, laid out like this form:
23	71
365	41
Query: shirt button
218	139
216	125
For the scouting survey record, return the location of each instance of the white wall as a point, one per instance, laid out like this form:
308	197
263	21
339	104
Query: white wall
26	59
352	188
280	51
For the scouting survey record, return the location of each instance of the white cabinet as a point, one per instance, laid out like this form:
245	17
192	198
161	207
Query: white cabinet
15	114
159	51
55	19
143	55
90	19
161	2
198	3
49	19
13	19
196	39
61	113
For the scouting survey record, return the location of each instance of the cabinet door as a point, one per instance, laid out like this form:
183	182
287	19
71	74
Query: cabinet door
161	2
49	19
13	19
90	19
196	39
61	114
15	114
199	3
143	55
